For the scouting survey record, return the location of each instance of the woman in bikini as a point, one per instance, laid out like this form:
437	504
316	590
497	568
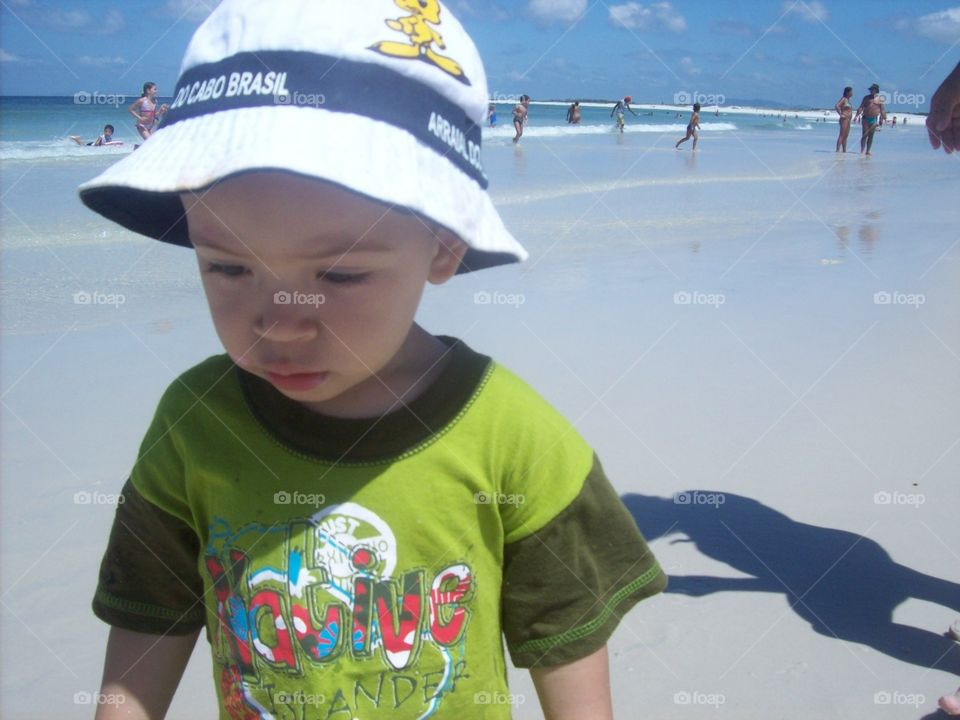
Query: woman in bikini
145	110
845	111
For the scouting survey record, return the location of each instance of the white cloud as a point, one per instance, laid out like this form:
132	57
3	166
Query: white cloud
635	16
734	27
193	10
689	66
112	22
68	19
462	8
809	10
943	26
82	21
557	10
101	61
489	11
9	57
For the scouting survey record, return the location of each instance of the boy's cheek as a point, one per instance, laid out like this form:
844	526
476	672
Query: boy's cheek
228	313
219	294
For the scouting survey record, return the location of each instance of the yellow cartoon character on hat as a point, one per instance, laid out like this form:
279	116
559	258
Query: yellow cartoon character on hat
417	27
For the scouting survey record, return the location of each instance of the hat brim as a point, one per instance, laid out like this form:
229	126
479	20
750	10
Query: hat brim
370	157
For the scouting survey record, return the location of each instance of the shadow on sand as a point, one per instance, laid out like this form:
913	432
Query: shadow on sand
844	585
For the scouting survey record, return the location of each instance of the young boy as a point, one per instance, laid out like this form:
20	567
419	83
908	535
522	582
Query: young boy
104	139
353	510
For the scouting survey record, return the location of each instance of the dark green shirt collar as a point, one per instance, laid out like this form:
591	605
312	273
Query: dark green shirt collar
369	439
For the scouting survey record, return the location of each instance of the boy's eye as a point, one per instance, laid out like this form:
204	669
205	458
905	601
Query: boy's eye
228	270
343	278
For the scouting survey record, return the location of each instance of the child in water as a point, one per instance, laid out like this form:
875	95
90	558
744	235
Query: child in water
692	128
144	109
104	139
620	109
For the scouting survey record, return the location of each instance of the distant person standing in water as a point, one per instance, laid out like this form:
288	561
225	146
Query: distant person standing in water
870	113
492	115
845	111
943	122
619	110
692	128
573	113
144	109
520	116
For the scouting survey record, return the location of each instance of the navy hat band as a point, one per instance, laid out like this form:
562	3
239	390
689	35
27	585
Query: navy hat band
320	82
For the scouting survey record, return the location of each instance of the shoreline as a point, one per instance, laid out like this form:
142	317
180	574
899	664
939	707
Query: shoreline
806	114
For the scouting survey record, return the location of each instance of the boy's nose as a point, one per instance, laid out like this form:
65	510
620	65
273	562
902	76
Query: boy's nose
286	324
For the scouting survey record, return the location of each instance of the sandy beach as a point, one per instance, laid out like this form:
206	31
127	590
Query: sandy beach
759	339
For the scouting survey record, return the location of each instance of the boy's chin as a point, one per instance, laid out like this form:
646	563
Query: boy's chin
334	399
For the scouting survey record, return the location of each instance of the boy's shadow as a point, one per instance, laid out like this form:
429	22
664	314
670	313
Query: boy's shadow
845	585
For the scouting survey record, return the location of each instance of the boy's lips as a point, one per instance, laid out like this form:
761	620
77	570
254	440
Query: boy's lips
287	378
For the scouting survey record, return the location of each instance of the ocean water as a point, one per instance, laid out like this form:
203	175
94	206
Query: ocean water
37	128
549	183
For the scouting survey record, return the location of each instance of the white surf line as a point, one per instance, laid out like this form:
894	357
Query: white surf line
603	187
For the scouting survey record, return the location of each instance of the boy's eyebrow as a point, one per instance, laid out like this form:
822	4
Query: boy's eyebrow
348	246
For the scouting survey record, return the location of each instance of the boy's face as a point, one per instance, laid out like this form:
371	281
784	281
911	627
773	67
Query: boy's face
315	288
108	132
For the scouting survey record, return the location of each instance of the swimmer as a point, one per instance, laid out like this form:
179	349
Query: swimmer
692	128
144	109
870	113
520	116
104	138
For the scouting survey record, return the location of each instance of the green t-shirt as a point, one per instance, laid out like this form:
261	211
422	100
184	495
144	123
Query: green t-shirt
369	568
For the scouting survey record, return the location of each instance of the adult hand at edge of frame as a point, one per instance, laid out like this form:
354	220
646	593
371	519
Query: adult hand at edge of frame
943	122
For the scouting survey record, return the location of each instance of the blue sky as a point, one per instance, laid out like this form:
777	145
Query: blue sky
796	52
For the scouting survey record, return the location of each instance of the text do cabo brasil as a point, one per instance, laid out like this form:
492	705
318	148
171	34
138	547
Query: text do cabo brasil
232	85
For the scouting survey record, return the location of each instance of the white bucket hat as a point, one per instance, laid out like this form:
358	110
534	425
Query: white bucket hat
383	98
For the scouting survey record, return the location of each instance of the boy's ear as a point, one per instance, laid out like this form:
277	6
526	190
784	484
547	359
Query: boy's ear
450	251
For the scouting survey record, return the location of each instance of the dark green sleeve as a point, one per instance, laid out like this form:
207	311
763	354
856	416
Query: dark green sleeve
148	577
566	587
